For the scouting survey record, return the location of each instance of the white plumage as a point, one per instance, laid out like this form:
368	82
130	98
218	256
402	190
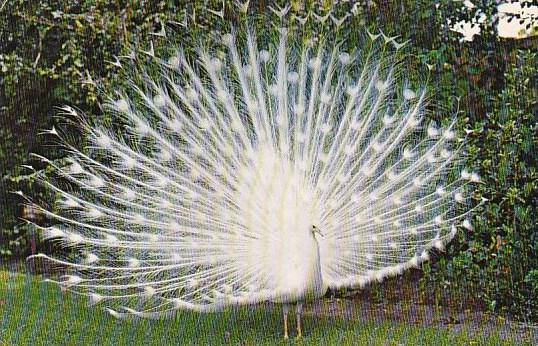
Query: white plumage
261	173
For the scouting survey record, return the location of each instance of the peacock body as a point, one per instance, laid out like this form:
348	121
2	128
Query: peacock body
259	173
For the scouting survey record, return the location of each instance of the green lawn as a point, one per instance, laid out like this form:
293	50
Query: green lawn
35	313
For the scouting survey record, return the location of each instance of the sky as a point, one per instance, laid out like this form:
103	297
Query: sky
506	29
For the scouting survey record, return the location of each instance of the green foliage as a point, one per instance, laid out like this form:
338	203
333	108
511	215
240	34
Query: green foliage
532	279
54	53
500	253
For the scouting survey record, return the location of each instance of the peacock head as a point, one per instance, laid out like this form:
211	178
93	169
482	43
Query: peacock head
315	230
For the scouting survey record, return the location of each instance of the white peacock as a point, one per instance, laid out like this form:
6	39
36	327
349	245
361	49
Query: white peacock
258	174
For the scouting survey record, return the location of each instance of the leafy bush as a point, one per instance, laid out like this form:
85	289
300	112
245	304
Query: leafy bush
500	254
54	53
532	279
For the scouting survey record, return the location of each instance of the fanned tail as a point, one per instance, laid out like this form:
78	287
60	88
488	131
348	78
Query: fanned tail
200	202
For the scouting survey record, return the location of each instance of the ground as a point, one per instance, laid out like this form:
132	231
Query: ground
32	312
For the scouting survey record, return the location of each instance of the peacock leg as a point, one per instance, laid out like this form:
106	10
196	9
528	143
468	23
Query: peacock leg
299	311
285	309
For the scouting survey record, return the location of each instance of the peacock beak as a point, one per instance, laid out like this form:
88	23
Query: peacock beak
316	230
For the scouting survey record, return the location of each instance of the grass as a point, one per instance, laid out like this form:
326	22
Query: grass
36	313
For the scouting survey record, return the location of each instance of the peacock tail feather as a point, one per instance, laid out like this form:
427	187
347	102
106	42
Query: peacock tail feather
204	190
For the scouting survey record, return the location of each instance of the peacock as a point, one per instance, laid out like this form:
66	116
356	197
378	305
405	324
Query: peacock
252	171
